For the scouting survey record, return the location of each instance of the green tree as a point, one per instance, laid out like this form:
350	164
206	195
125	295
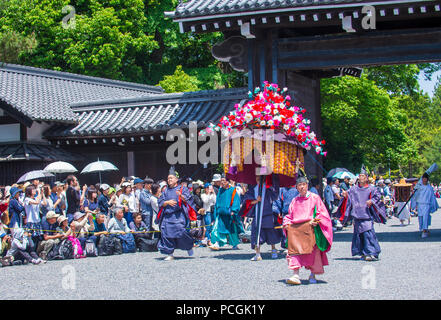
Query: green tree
179	82
361	125
14	45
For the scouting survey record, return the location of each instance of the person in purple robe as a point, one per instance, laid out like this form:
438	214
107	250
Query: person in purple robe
174	217
267	233
363	204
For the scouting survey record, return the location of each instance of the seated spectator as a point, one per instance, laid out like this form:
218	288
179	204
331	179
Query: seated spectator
50	236
118	224
83	224
100	227
22	248
5	238
63	227
138	225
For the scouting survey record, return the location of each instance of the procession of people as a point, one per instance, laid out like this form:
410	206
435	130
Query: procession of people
297	222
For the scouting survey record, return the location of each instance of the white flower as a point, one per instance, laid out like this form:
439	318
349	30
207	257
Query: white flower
318	149
270	122
248	117
298	131
262	123
312	135
286	127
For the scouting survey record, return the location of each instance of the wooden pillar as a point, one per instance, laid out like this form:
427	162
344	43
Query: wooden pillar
130	163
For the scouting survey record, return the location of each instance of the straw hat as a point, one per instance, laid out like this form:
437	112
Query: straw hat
403	183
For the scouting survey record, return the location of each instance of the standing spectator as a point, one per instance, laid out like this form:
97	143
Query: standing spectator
145	203
16	209
216	183
208	201
315	186
127	200
49	204
57	198
344	186
156	193
73	197
32	205
103	200
329	196
337	191
90	204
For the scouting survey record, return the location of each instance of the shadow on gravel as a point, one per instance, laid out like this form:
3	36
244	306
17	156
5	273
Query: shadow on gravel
303	282
347	259
395	236
176	258
245	256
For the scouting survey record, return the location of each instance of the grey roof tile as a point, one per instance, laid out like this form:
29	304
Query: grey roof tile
200	8
148	114
46	95
35	151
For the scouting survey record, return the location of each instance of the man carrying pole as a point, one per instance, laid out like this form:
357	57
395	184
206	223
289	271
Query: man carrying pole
264	220
425	201
425	204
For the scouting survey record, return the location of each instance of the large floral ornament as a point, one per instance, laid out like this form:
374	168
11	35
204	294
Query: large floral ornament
270	108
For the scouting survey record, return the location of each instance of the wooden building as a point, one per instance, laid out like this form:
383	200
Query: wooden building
48	116
296	43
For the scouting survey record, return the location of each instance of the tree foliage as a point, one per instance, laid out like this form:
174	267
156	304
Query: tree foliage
179	82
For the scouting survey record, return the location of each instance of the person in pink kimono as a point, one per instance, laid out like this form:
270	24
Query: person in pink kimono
308	207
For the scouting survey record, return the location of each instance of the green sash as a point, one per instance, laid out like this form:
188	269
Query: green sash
320	240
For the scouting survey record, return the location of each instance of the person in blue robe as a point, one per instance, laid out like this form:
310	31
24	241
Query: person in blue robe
176	211
426	204
268	234
227	224
363	204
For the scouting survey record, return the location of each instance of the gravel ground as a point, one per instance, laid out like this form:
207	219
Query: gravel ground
408	269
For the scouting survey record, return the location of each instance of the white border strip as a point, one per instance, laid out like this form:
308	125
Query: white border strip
320	7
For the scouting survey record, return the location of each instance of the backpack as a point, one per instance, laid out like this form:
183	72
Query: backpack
145	244
90	249
77	249
109	245
128	242
61	251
